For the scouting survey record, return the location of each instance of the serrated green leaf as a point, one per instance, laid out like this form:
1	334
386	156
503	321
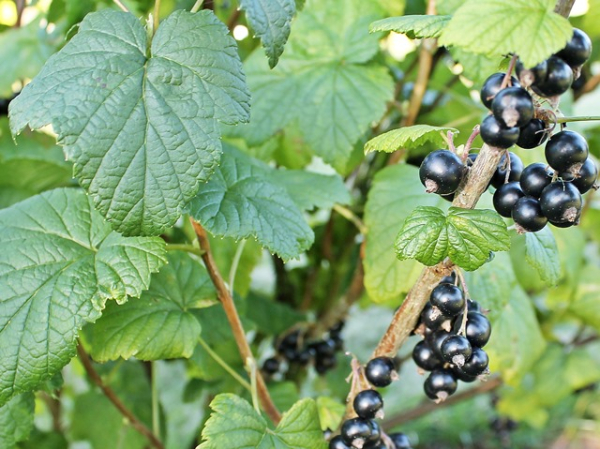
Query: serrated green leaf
529	28
234	424
159	324
542	254
271	20
59	263
331	412
414	26
142	130
16	420
424	236
408	137
240	201
476	67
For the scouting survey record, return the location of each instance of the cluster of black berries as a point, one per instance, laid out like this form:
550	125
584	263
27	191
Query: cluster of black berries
364	432
295	350
452	347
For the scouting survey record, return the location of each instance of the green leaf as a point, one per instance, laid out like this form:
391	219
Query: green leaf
272	317
414	26
585	304
542	254
448	6
476	67
240	201
331	412
159	324
408	137
529	28
271	21
59	263
142	131
16	420
234	424
466	236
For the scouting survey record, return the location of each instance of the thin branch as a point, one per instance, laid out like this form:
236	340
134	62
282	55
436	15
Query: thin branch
351	217
197	6
224	365
121	5
235	262
234	320
563	7
156	16
580	118
233	19
155	405
85	360
20	4
184	247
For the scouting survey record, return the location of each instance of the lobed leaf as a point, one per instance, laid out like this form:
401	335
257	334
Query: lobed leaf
414	26
408	137
542	254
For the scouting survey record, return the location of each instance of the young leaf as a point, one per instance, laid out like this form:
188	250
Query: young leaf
16	420
408	137
542	254
159	324
331	412
59	263
142	130
424	236
414	26
529	28
271	21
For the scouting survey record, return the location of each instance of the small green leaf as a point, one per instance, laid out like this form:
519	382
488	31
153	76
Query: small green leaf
476	67
16	420
529	28
331	412
542	254
414	26
423	236
408	137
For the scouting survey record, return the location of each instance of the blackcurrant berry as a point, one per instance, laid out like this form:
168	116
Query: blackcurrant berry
375	437
473	306
478	329
513	106
558	80
368	404
534	179
356	431
492	86
527	213
561	202
586	177
435	341
565	224
290	341
425	358
380	371
271	365
461	375
440	384
477	364
448	298
337	442
535	74
324	348
533	134
400	440
456	349
303	357
516	168
565	150
325	363
496	135
441	172
577	50
432	317
505	198
451	278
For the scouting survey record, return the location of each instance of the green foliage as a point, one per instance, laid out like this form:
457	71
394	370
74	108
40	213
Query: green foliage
413	26
16	420
408	137
541	253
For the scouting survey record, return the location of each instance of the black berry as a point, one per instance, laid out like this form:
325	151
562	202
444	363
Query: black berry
534	179
492	86
527	213
368	404
375	438
432	317
337	442
456	349
448	298
400	440
380	371
440	384
495	134
435	341
478	329
356	431
577	50
425	358
535	74
513	106
533	134
271	365
516	168
558	80
561	202
565	150
459	374
585	178
505	198
477	364
441	172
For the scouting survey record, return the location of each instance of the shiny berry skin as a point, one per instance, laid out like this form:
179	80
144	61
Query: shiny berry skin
561	202
375	437
491	87
271	365
368	404
435	340
516	168
456	349
425	358
527	213
356	430
496	135
478	329
432	317
586	177
448	298
558	80
441	172
451	278
459	374
534	179
473	306
440	384
337	442
535	74
400	440
505	198
566	149
477	364
532	134
513	106
578	49
380	371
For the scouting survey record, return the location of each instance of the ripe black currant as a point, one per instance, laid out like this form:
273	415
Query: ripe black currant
495	134
532	134
400	440
441	172
375	437
478	329
505	198
473	306
585	178
516	168
534	179
337	442
324	348
451	278
532	75
459	374
577	50
527	213
440	384
435	341
432	317
513	106
561	202
271	365
356	431
477	364
368	404
380	371
558	80
448	298
456	349
425	358
566	149
492	86
325	363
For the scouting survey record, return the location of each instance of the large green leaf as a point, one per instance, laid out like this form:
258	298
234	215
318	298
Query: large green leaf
234	424
241	201
59	263
585	304
142	130
408	137
413	26
271	20
542	254
529	28
159	324
16	420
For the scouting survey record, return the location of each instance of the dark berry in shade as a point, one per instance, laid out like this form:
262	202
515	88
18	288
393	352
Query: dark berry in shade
535	178
325	363
537	73
400	440
566	149
324	348
377	445
337	442
290	341
533	134
375	437
586	177
527	213
558	80
356	430
516	168
440	384
477	364
513	106
380	371
505	198
368	404
561	202
271	365
492	86
432	317
478	329
496	135
473	306
435	341
441	172
456	349
461	375
425	358
448	298
565	224
578	49
304	357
